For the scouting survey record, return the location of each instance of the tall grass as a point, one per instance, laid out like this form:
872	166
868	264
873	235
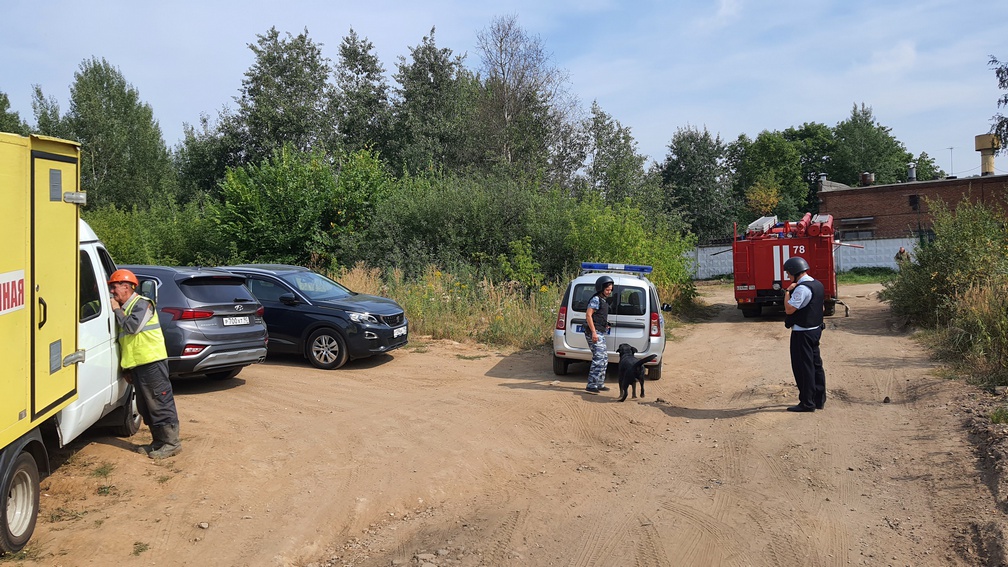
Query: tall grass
977	335
464	307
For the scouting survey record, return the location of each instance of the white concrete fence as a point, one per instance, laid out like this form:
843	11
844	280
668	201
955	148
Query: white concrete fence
712	261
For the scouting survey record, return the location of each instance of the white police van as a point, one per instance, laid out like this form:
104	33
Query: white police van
635	317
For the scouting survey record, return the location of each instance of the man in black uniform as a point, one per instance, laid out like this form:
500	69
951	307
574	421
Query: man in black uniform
803	304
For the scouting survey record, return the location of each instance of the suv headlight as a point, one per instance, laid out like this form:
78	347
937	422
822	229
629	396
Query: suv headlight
362	317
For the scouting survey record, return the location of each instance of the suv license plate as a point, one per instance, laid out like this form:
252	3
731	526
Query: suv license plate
228	321
399	332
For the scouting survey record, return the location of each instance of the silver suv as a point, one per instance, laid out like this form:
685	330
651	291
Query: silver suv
635	317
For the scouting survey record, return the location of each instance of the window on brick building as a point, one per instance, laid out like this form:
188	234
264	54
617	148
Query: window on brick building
859	228
856	234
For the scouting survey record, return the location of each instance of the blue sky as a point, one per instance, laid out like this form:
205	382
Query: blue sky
732	66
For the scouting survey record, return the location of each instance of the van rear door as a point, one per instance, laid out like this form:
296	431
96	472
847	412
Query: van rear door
629	316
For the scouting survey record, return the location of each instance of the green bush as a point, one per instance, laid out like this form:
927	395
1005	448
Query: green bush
969	246
165	234
958	287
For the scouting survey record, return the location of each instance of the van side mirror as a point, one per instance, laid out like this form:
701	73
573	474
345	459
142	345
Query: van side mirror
288	299
666	307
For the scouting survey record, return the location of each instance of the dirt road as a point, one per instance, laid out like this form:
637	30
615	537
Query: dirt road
447	454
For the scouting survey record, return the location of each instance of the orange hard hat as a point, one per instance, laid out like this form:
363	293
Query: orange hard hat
123	276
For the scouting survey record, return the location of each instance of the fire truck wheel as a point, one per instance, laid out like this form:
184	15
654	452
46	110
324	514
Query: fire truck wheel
19	504
829	308
750	312
560	365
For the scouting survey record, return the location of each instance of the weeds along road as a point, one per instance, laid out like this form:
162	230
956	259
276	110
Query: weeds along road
457	454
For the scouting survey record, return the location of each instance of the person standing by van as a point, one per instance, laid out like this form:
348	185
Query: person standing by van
597	318
144	360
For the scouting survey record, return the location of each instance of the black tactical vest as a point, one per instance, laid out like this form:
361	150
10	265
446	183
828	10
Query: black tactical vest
810	316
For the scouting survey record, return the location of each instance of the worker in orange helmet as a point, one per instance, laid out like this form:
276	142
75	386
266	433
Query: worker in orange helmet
144	360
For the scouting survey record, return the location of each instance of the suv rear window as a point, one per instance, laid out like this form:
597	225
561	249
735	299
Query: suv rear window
216	290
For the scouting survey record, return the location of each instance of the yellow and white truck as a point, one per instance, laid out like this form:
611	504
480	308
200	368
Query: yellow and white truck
59	373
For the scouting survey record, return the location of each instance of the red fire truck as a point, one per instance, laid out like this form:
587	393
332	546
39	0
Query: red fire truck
760	252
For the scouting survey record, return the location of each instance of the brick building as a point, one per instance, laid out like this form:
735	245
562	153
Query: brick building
901	209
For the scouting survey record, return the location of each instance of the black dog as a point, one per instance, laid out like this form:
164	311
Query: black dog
631	370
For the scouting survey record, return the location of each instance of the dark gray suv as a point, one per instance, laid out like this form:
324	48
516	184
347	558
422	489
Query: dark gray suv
212	323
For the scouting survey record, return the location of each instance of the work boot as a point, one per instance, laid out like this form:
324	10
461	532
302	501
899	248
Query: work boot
170	446
157	441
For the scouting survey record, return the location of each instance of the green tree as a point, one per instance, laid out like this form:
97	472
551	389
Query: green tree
864	145
763	197
524	101
926	168
696	180
363	112
433	109
615	170
205	154
11	121
48	119
285	98
814	142
999	124
967	251
774	163
123	155
283	209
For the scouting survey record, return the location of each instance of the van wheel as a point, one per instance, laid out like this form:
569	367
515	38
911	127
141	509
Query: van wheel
326	349
560	365
829	308
129	417
19	504
654	372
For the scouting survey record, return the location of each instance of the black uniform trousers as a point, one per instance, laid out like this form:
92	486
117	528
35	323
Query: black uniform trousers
807	367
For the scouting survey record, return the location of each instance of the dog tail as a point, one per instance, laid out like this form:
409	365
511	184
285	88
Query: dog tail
645	360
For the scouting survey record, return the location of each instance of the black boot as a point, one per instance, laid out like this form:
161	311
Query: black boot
170	445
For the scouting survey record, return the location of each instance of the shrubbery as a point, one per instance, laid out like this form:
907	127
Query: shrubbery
957	286
468	257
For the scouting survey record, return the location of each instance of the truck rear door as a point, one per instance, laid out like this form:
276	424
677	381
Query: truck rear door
52	278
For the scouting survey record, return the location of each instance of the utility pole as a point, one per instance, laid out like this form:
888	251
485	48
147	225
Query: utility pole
951	167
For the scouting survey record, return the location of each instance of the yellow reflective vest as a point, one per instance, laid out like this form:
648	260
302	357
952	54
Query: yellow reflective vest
147	345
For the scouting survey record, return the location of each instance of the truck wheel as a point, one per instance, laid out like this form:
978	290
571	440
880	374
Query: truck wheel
654	372
129	419
750	312
19	504
560	365
326	349
829	308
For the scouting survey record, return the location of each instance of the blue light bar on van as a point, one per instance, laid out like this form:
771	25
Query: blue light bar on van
616	267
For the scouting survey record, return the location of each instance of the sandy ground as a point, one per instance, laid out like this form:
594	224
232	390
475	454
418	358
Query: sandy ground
449	454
